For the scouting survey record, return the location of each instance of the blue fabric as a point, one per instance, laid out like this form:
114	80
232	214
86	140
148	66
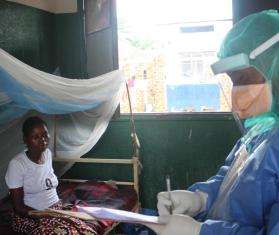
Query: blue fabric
182	97
255	192
24	98
273	225
10	111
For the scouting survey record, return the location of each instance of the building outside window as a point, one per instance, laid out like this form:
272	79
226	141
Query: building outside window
166	53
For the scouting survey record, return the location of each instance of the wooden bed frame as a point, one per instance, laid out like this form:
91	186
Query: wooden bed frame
134	162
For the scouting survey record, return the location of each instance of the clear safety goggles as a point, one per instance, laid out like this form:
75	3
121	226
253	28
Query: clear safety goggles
242	61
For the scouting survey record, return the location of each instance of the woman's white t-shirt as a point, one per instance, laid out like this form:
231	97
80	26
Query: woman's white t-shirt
38	180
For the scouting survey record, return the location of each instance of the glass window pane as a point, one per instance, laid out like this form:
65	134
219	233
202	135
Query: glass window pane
165	53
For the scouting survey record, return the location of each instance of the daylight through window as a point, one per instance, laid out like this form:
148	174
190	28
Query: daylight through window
165	51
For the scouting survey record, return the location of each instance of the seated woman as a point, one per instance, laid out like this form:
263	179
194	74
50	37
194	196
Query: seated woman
32	184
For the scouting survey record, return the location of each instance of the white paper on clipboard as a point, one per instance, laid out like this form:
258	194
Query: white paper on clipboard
118	215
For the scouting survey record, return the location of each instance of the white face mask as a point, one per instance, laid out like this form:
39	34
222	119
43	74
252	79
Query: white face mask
251	100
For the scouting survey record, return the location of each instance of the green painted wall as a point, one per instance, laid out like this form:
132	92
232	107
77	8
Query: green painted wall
70	44
189	147
44	40
28	34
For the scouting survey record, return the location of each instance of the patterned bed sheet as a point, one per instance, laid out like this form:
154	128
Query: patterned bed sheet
90	193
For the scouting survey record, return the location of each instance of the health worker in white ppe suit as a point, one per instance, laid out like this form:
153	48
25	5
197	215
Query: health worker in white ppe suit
243	197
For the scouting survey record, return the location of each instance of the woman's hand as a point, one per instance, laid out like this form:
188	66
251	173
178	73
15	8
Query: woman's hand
20	208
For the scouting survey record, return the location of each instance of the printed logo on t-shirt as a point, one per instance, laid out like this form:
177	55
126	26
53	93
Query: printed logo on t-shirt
48	184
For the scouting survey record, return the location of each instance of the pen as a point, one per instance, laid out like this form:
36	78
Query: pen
169	192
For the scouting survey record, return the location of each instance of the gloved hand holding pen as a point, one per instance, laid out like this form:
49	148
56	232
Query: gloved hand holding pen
182	202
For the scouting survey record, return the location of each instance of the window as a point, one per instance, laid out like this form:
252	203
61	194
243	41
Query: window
165	51
199	67
186	67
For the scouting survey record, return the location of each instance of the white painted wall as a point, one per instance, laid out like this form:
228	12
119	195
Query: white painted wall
53	6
